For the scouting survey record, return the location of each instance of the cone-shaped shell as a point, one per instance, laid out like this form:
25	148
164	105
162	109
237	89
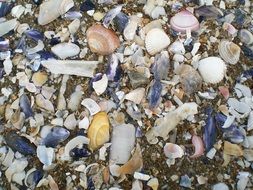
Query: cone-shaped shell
98	132
156	40
212	69
102	40
229	51
184	21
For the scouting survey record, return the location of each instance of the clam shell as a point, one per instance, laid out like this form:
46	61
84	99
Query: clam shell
183	21
102	40
98	132
245	36
212	69
173	150
229	51
156	40
65	50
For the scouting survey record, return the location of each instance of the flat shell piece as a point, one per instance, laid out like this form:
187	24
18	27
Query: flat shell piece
91	105
71	67
7	26
232	149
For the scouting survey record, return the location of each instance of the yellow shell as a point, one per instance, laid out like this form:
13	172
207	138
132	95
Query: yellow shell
98	132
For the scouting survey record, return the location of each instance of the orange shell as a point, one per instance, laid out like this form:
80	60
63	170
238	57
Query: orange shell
102	40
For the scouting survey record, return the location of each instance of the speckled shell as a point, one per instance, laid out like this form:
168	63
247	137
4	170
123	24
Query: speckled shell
183	21
229	51
212	69
156	40
98	132
102	40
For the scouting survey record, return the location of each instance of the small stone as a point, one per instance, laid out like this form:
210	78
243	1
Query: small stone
141	176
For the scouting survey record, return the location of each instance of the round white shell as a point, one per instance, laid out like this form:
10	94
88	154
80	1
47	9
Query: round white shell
212	69
229	51
173	150
156	40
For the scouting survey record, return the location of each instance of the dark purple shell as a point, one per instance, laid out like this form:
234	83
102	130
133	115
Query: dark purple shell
210	131
247	52
45	55
161	67
4	44
87	5
121	21
155	94
114	69
5	8
56	136
209	11
79	153
25	106
72	15
34	35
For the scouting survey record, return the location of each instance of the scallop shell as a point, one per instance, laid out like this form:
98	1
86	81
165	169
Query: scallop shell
156	40
173	150
98	132
229	51
102	40
212	69
183	21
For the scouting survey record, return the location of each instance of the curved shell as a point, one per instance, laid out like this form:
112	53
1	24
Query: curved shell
156	40
245	36
198	145
183	21
65	50
212	69
229	51
98	132
173	150
102	40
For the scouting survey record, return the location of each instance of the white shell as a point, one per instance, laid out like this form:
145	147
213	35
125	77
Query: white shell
65	50
45	155
17	11
136	95
100	85
229	51
173	150
91	105
250	121
74	26
156	40
177	47
7	26
70	122
212	69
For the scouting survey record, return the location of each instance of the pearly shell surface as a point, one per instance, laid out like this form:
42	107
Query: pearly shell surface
65	50
102	40
184	21
156	40
229	51
212	69
98	131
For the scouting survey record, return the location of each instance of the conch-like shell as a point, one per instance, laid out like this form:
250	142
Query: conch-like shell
102	40
229	51
156	40
98	132
212	69
52	9
173	150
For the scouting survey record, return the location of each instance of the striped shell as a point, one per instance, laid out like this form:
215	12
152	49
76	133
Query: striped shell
229	51
102	40
98	132
212	69
156	40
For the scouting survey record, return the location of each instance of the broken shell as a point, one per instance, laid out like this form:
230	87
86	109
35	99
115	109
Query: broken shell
100	85
173	150
184	21
156	40
232	149
136	95
91	105
33	176
39	78
18	119
229	51
65	50
245	36
102	40
98	132
212	69
25	106
177	47
198	145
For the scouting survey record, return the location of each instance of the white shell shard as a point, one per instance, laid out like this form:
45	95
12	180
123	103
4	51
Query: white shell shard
173	150
50	10
156	40
100	85
74	26
16	167
45	155
7	26
44	103
75	100
8	66
39	47
177	47
70	122
71	67
91	105
250	121
212	69
229	51
136	95
240	107
17	11
65	50
130	30
123	140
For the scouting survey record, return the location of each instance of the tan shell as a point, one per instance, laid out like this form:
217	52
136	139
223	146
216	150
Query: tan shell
156	40
102	40
232	149
229	51
98	132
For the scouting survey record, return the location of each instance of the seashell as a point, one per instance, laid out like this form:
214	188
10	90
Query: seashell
232	149
247	51
136	95
245	36
248	154
44	103
20	144
123	140
5	8
102	40
16	168
198	145
70	122
7	26
224	91
250	121
75	100
32	178
110	15
161	66
74	26
98	131
220	186
18	119
87	5
114	69
157	12
229	51
130	29
173	151
65	50
79	153
72	15
239	106
156	40
155	93
52	9
121	21
4	44
153	183
17	11
25	106
39	78
212	69
177	47
209	11
45	155
91	105
184	21
100	86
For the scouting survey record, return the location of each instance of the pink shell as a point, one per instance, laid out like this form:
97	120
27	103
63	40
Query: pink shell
224	91
183	21
198	145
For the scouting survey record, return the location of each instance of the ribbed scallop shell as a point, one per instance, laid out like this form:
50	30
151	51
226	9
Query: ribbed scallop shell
156	40
98	132
102	40
229	51
212	69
